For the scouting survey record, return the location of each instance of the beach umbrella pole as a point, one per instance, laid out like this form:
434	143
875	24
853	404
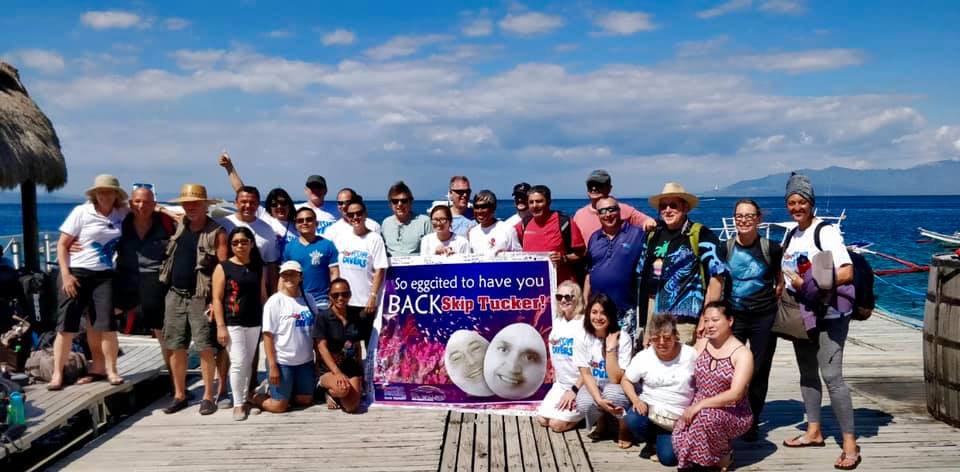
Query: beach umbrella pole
31	243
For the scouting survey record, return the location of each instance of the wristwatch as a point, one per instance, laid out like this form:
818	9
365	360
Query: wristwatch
574	389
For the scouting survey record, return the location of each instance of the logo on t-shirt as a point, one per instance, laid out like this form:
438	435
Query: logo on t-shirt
315	257
105	251
599	369
561	346
356	258
304	319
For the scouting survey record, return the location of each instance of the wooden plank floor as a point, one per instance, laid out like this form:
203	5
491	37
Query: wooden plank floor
883	365
49	410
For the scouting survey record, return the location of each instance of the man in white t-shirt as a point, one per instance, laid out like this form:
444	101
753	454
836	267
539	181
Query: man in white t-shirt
248	202
345	197
490	236
520	203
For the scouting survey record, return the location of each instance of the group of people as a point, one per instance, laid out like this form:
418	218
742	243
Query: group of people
664	334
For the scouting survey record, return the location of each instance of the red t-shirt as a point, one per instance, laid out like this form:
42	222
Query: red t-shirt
547	238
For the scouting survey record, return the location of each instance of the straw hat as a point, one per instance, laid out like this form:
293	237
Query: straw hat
106	181
192	193
674	190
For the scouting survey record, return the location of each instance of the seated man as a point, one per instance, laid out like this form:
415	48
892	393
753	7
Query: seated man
288	319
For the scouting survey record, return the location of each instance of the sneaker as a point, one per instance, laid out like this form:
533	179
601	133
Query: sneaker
648	451
263	388
207	407
175	406
225	403
239	414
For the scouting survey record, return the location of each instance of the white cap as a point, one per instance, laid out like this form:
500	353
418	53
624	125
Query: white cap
290	265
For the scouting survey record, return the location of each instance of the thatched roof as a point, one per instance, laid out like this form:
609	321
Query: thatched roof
29	148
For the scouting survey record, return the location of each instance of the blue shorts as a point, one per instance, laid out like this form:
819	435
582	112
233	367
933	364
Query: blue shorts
295	380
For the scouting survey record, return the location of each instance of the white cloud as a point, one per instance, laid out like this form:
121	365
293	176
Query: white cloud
100	20
477	27
802	61
729	6
175	24
197	59
625	23
48	62
785	7
531	23
701	48
339	36
399	46
467	137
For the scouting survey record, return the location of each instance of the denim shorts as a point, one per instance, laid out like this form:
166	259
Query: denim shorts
295	380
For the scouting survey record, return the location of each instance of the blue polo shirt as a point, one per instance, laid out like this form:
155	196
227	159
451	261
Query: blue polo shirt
612	264
315	259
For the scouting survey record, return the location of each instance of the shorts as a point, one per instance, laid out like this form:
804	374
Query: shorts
94	297
297	380
349	366
146	293
184	319
548	408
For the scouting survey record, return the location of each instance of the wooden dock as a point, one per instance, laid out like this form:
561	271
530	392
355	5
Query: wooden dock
47	410
883	364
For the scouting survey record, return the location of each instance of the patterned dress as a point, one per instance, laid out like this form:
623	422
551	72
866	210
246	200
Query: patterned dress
707	439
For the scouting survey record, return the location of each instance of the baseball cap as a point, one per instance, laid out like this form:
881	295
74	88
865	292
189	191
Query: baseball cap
316	182
290	265
521	189
599	176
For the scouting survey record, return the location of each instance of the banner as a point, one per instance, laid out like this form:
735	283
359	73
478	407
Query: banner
465	334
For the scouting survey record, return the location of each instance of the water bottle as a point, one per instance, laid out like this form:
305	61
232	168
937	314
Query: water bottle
16	413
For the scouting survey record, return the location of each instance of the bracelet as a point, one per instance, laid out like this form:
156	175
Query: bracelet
575	389
613	349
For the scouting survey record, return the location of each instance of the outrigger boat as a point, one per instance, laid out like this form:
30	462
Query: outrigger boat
945	239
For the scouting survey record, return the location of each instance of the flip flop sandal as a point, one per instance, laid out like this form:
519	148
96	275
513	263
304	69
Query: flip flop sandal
54	387
117	381
797	444
843	458
91	378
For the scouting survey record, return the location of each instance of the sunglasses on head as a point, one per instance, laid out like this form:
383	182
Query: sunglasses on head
137	185
564	297
604	211
306	220
345	294
400	201
670	205
461	192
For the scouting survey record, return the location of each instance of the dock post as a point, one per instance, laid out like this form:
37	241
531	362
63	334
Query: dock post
15	253
46	252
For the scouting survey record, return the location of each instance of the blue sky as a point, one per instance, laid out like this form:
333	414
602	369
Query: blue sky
702	92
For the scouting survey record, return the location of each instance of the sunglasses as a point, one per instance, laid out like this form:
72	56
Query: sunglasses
604	211
240	242
354	214
137	185
400	201
594	188
564	297
483	206
340	294
670	205
341	203
461	192
307	220
280	202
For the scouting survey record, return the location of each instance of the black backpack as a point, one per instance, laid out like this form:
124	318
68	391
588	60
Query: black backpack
863	276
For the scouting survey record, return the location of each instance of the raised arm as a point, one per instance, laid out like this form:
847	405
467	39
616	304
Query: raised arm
235	181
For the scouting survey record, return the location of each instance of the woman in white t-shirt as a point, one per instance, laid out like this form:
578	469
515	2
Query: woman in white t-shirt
822	354
665	373
442	241
86	280
601	355
363	258
559	408
490	236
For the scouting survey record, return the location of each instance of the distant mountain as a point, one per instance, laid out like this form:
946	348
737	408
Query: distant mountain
936	178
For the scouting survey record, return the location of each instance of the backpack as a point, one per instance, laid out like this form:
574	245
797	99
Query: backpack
764	248
863	277
693	234
40	364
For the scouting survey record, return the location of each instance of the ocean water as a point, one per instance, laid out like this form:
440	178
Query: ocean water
889	222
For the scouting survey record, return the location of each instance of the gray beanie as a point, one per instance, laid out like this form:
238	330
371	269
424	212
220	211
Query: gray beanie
800	184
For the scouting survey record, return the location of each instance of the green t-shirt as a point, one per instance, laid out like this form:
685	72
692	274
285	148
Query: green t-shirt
404	239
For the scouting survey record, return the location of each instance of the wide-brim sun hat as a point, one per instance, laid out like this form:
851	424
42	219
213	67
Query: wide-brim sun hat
109	182
193	193
674	190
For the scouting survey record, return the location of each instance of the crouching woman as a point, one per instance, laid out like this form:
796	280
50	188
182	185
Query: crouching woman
338	333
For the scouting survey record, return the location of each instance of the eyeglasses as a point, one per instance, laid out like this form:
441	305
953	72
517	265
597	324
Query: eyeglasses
340	294
661	339
483	206
745	216
341	203
439	220
280	202
240	242
400	201
670	205
307	220
461	192
564	297
354	214
604	211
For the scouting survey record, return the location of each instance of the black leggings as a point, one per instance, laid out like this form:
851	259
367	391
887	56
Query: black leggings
756	328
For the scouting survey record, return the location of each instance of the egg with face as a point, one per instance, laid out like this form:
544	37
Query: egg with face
463	359
516	362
